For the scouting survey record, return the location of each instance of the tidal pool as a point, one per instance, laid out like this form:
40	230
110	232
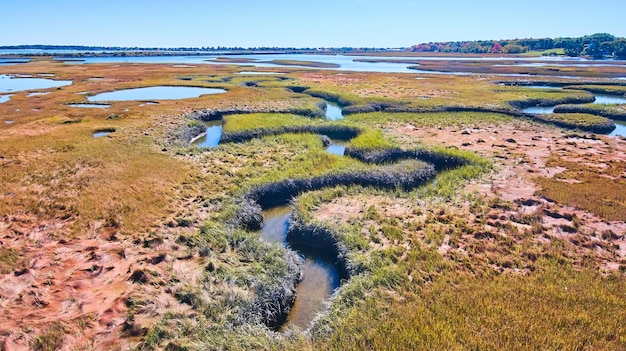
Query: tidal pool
212	136
102	133
334	112
320	272
12	84
103	106
155	93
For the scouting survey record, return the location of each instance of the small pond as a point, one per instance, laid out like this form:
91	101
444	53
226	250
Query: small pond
101	133
38	94
5	98
320	272
103	106
334	112
212	136
155	93
11	84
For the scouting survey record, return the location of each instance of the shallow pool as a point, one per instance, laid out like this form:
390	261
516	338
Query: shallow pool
12	84
103	106
155	93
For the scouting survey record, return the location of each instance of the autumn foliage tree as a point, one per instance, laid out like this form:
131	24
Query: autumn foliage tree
596	45
496	49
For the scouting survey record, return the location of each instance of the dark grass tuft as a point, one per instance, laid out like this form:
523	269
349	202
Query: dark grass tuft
273	302
591	109
280	193
439	160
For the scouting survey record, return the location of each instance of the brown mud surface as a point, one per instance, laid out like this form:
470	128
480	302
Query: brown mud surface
516	210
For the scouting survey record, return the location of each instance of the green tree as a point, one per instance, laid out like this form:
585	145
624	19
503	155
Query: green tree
619	48
513	49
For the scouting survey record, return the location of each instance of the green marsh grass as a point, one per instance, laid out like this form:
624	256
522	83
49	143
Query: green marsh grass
443	119
617	112
616	90
241	122
583	121
371	139
579	119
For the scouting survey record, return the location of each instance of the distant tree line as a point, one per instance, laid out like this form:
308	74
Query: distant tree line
597	45
221	49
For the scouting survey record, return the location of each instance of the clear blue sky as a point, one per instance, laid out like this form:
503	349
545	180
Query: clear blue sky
308	23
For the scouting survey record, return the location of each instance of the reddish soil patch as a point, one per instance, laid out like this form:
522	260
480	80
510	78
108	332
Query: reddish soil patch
517	226
520	151
85	285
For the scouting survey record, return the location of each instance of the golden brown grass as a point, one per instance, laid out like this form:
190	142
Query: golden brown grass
600	191
555	308
11	260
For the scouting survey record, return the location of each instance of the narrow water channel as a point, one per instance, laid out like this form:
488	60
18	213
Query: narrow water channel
620	126
336	148
212	136
333	111
539	109
620	129
320	272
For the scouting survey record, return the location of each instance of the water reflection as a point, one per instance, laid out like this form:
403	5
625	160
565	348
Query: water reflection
620	129
609	99
12	84
539	109
211	137
336	149
333	111
320	272
155	93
